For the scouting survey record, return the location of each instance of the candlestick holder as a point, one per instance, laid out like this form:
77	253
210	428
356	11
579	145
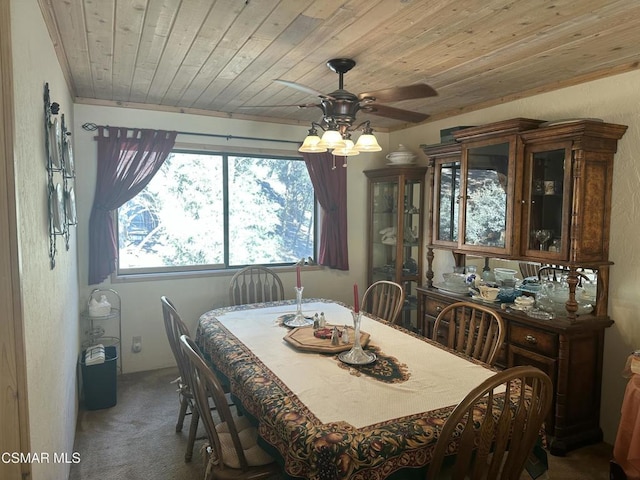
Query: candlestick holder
357	356
299	320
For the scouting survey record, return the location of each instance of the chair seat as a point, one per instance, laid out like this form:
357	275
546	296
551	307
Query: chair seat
248	434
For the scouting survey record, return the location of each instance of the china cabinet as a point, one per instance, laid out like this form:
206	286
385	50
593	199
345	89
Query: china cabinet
395	241
532	191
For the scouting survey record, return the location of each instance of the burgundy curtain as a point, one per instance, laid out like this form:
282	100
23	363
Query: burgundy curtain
330	185
127	160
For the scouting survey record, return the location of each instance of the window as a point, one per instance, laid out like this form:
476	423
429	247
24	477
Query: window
214	211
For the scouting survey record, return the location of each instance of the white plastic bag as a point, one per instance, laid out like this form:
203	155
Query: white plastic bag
100	308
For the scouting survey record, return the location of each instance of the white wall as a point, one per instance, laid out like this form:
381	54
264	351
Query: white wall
49	297
615	100
141	312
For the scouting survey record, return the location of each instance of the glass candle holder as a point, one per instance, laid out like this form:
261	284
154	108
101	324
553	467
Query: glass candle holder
357	356
299	320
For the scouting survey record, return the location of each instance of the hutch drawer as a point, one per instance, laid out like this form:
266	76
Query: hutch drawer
534	339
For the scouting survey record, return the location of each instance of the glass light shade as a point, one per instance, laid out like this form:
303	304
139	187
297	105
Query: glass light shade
312	144
347	151
367	143
332	139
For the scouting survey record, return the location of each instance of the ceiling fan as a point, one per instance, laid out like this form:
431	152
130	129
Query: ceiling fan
339	109
342	105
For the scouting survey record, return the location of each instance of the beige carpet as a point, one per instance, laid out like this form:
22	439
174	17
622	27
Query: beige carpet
136	439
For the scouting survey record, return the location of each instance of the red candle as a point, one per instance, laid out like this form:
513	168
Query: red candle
298	284
356	299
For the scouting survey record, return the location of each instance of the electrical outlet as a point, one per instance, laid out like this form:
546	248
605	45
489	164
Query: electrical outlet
136	345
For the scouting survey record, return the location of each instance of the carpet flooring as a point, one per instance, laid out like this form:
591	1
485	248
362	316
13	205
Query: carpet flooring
136	439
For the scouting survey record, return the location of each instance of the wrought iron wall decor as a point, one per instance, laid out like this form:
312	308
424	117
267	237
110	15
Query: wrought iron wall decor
60	174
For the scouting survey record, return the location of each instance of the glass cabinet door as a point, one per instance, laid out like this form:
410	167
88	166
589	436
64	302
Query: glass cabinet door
487	209
412	226
384	224
396	226
446	201
546	205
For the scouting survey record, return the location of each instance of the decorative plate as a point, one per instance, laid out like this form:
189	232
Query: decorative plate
67	155
568	120
55	144
57	209
479	298
288	318
70	207
458	290
344	359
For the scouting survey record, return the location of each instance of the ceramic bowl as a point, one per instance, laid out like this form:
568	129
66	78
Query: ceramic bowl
507	294
504	274
452	278
401	157
488	293
524	300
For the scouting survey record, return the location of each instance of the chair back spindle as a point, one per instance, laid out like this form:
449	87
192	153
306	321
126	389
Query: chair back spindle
474	330
255	284
384	299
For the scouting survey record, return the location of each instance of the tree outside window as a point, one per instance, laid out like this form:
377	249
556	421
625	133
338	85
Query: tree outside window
204	211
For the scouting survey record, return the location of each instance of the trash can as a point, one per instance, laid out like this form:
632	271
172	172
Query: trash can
99	382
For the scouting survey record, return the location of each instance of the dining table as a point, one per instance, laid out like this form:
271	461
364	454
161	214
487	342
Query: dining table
323	419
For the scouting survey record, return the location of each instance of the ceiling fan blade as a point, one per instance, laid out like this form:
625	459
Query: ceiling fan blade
299	105
396	94
395	113
299	86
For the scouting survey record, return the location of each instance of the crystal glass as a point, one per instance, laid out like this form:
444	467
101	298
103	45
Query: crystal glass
543	236
357	355
299	320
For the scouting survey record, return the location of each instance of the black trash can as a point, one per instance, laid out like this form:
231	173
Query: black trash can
99	382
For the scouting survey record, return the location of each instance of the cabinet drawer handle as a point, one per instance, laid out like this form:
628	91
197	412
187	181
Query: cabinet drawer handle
531	339
439	308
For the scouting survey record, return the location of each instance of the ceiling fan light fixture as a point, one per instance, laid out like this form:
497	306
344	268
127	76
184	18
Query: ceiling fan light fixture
348	150
332	139
367	143
311	143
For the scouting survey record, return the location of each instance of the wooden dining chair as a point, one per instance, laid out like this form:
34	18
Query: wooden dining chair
529	269
233	451
494	445
472	329
175	328
384	299
255	284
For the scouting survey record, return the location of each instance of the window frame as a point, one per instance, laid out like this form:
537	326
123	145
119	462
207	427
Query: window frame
191	271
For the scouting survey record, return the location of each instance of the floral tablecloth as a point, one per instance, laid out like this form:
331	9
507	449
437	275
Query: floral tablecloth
329	421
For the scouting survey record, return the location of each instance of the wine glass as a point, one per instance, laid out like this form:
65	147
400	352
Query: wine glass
543	236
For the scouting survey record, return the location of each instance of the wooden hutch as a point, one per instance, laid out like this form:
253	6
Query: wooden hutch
492	190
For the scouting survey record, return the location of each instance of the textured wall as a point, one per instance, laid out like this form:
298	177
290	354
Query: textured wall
615	100
49	297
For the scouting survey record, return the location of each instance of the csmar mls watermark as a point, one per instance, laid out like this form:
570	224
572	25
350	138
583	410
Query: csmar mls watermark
40	457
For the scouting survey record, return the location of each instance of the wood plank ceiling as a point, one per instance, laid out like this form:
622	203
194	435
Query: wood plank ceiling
219	56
